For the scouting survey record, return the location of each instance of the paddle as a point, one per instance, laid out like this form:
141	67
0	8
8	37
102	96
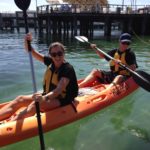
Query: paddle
140	77
23	5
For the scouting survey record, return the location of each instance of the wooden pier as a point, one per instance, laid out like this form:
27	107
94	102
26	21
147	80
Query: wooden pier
10	21
74	21
70	20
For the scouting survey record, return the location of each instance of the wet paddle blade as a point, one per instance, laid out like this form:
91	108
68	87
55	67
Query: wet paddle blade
22	4
143	81
84	38
79	39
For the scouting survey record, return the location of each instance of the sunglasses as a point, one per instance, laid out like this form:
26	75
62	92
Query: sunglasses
125	43
57	54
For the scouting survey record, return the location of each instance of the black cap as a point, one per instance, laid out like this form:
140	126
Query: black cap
125	37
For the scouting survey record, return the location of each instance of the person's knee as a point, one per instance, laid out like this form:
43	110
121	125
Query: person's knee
94	72
31	107
119	78
19	99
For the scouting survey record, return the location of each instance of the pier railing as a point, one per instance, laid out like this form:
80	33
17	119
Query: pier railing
106	15
111	8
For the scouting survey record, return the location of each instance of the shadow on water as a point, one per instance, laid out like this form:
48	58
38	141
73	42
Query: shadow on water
121	114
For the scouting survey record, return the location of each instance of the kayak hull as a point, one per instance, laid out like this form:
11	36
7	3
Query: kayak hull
85	104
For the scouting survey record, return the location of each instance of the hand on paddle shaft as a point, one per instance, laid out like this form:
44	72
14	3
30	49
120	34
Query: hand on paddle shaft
140	77
23	5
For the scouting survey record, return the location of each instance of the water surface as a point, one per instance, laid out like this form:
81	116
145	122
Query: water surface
122	126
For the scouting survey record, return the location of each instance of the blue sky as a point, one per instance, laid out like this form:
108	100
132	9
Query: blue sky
9	5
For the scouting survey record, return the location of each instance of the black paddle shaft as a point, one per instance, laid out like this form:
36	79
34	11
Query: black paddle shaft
27	29
23	5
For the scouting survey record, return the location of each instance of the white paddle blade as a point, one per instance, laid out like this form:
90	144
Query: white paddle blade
84	38
79	38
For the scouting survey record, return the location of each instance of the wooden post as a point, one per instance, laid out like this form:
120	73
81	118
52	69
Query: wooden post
1	22
17	21
107	28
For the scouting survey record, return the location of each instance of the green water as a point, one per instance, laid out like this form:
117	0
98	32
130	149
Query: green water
122	126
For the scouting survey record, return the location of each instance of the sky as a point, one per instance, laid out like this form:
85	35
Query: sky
9	5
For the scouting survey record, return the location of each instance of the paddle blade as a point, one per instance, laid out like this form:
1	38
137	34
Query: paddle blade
79	38
22	4
84	38
143	80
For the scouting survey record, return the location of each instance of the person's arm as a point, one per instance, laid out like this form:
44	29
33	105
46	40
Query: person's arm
58	90
93	46
53	94
35	53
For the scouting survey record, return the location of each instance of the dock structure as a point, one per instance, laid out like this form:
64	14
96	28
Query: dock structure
71	19
32	20
7	21
10	21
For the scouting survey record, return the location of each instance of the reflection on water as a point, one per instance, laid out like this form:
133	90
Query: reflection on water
122	126
121	113
140	133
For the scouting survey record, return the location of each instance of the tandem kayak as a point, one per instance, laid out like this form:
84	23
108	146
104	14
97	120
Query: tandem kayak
90	99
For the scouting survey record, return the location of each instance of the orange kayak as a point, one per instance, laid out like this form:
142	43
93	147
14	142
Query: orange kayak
90	99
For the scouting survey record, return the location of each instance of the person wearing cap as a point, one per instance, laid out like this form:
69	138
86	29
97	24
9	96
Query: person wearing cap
117	74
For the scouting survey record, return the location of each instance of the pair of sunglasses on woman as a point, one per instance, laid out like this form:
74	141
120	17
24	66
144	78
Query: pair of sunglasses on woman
60	53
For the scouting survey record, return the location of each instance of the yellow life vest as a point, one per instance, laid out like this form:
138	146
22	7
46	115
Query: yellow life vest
116	68
50	82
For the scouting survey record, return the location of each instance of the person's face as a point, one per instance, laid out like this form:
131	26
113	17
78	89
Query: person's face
57	55
124	46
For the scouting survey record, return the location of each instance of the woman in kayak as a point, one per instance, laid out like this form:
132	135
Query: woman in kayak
59	84
116	74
